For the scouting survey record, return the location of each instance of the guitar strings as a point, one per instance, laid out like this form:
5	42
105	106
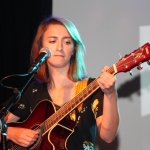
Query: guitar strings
51	121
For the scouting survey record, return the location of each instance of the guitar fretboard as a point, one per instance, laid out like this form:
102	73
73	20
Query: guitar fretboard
72	104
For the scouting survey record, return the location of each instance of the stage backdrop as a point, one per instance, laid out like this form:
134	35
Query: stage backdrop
18	24
111	29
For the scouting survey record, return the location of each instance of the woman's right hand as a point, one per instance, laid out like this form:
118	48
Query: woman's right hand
22	136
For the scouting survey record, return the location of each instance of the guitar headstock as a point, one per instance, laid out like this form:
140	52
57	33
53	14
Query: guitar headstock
133	59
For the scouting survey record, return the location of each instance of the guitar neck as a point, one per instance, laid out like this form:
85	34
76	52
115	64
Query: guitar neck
72	104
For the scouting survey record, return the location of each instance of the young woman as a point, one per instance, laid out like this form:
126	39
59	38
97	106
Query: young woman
57	81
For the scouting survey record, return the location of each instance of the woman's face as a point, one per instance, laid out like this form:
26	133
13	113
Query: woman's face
59	41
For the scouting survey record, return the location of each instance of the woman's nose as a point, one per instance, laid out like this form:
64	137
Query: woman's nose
59	46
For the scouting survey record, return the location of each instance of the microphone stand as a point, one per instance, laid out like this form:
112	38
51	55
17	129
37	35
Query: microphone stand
12	101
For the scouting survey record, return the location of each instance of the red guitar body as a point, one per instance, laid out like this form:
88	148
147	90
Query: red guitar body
53	139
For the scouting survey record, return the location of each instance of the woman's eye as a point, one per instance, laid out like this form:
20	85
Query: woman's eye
52	41
67	42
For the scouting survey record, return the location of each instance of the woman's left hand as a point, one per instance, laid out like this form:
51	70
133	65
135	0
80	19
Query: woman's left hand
106	81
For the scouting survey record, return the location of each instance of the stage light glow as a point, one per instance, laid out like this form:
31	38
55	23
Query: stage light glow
144	32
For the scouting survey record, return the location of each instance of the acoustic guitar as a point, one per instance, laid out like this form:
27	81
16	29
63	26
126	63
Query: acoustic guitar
55	126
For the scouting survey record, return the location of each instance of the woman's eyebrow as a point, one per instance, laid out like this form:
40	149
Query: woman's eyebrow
65	37
52	37
57	37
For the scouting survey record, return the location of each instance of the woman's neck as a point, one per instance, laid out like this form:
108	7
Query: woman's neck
59	78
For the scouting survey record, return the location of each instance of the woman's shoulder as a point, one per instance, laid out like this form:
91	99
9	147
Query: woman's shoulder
35	85
90	79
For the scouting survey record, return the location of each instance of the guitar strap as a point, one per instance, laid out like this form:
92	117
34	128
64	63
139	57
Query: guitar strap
81	85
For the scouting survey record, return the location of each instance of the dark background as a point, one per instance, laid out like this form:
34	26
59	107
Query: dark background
19	20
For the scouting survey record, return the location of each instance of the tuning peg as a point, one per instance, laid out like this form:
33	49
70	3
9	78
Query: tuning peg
139	67
131	73
148	62
120	55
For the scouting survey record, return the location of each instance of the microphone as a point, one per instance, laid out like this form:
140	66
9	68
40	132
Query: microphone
43	55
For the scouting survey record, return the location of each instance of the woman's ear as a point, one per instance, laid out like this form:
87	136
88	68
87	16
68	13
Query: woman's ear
74	49
73	52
